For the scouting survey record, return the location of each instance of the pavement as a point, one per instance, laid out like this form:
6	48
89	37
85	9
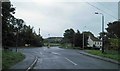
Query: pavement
26	64
58	58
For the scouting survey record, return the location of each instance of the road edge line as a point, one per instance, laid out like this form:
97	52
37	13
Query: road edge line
55	53
71	61
31	66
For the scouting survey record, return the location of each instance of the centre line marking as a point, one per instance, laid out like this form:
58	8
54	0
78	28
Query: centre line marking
56	53
70	61
40	53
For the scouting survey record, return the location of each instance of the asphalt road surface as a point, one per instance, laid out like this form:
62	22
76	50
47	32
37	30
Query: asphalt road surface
58	58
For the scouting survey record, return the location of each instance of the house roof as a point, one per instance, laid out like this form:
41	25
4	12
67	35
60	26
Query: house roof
92	36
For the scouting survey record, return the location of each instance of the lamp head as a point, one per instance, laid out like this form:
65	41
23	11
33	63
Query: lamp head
96	13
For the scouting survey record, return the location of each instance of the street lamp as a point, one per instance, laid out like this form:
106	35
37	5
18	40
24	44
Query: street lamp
102	31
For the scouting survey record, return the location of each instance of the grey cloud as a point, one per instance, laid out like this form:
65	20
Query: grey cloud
60	16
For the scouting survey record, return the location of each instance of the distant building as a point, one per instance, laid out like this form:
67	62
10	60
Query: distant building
94	42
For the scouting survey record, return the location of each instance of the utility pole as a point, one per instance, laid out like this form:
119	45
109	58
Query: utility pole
49	40
16	33
83	40
102	31
39	32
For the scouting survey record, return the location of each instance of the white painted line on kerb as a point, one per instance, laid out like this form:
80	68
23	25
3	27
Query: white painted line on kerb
56	53
30	67
70	61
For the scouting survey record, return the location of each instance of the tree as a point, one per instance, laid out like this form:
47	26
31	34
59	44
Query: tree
113	29
78	39
7	28
75	38
14	30
29	36
69	36
113	33
102	33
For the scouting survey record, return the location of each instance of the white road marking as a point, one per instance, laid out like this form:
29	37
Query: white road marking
40	60
70	61
56	53
36	59
40	53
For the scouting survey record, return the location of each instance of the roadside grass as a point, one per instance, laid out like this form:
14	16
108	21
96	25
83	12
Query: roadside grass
0	59
114	56
69	46
65	46
10	58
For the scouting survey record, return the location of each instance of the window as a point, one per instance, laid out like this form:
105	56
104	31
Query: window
95	42
98	43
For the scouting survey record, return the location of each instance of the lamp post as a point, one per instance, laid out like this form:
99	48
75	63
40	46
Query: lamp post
102	31
83	38
16	34
49	40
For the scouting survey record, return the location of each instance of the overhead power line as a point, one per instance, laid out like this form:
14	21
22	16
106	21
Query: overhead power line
101	10
105	7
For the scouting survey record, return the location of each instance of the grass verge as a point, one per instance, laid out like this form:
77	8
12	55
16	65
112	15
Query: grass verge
10	58
114	56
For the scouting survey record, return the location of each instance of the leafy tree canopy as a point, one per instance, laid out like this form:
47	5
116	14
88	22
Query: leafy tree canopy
113	29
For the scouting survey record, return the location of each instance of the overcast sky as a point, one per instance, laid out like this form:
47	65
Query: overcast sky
54	17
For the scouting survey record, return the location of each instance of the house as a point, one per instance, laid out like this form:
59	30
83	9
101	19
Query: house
94	42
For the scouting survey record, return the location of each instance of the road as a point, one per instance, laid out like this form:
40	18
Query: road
58	58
